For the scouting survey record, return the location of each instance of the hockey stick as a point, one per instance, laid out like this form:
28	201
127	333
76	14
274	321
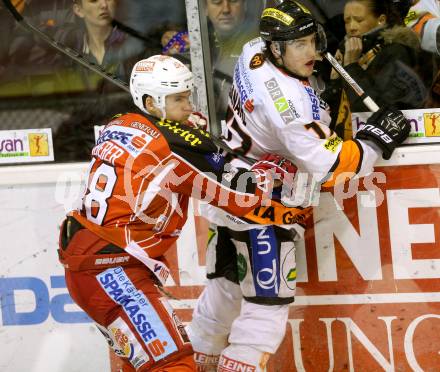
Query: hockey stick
99	70
367	100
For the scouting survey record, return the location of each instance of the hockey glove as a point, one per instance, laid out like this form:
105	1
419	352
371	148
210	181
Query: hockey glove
198	121
387	128
275	164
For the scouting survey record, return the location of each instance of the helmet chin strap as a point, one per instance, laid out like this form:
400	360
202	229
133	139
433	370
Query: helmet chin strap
159	102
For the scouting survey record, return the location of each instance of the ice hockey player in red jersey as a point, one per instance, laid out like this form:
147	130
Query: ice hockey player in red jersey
144	168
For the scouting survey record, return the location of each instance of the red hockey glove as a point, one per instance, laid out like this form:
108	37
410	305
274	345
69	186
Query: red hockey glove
276	164
198	121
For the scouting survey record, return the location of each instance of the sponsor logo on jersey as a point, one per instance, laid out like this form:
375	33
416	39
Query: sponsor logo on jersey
185	133
278	15
231	365
139	310
249	105
315	102
241	267
280	102
123	342
145	128
332	144
291	276
132	140
278	214
256	61
235	102
206	360
292	108
244	73
265	261
241	88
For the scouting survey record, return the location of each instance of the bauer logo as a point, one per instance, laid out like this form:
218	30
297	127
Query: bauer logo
23	146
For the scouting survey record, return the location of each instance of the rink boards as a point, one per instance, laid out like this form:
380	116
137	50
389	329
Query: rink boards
368	294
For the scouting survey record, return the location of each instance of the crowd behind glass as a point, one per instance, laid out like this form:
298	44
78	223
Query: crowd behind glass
41	88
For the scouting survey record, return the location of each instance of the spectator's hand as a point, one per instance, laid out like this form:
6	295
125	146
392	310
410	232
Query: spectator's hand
353	50
197	120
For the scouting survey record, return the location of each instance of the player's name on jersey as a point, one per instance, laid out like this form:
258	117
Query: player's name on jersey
425	124
26	146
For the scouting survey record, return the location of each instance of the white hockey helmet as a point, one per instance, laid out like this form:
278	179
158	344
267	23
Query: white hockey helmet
159	76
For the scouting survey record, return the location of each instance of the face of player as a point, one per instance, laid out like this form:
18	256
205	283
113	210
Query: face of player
359	19
95	13
225	15
178	106
300	55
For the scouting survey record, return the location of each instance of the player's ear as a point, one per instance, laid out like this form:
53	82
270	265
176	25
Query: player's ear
150	105
275	49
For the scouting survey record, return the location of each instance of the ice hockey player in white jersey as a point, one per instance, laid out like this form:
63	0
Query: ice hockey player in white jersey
240	318
424	19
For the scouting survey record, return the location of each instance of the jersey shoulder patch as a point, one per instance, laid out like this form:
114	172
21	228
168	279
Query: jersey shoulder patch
256	61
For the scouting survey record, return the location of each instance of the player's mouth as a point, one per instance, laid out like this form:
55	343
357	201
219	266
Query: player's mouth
226	20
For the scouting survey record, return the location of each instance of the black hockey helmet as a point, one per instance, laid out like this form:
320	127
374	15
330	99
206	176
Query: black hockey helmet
287	21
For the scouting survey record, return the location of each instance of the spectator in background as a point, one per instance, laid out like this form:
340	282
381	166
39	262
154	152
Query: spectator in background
381	55
231	23
94	36
97	39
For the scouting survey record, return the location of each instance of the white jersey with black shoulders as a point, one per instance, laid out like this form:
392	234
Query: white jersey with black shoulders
271	111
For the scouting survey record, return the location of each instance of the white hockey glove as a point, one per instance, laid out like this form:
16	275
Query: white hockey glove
198	121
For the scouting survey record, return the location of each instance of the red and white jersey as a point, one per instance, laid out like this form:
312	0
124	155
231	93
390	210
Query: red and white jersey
142	174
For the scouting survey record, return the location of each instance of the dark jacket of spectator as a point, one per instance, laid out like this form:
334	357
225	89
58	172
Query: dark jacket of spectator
386	71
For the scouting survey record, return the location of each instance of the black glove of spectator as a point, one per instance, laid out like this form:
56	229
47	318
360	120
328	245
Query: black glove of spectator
387	128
